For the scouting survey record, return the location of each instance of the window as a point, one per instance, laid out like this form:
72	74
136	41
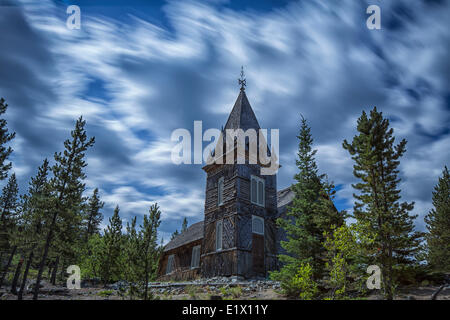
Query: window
257	191
220	191
195	260
219	235
258	225
170	264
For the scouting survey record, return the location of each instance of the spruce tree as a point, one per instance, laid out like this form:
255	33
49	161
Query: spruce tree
67	186
9	222
93	216
35	215
311	214
112	248
174	235
8	207
377	207
438	225
5	137
150	249
8	201
133	255
184	225
8	218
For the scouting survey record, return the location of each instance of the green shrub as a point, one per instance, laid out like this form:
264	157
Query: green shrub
304	283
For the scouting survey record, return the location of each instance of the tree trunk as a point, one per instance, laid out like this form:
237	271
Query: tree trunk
146	284
25	275
54	271
44	257
16	276
63	271
50	268
50	232
8	265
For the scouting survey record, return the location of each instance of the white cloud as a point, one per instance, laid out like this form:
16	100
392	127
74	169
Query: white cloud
309	58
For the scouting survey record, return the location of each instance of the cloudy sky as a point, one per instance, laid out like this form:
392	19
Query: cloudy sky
137	70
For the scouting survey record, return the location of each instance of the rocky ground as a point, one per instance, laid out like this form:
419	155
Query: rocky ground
202	289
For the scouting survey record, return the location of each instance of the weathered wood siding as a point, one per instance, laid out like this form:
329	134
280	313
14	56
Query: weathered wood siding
236	213
182	262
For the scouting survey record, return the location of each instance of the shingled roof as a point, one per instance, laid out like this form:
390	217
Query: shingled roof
192	233
285	196
242	115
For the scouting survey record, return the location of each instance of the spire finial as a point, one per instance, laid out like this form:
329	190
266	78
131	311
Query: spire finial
242	80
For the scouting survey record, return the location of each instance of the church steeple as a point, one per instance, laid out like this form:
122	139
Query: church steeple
240	203
242	115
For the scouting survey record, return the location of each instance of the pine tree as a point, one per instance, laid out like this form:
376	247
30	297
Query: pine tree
67	186
5	137
8	201
184	225
133	255
438	225
91	259
93	216
35	214
150	249
8	221
112	248
377	207
311	214
174	235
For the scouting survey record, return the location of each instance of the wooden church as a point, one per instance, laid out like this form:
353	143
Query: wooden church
238	236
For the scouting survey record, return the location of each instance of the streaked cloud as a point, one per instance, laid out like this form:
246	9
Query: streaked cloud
136	81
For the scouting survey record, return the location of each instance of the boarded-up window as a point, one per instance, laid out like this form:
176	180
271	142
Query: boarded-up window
258	225
195	260
257	192
219	228
170	264
220	191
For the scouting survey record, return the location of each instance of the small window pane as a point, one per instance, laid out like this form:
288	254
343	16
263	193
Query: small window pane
254	191
261	193
195	260
170	264
257	225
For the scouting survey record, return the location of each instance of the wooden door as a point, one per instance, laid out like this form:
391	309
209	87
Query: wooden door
258	254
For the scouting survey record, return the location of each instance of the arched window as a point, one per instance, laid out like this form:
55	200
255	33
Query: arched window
258	225
257	192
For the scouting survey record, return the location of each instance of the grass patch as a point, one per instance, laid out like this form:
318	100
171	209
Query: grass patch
192	291
231	292
105	293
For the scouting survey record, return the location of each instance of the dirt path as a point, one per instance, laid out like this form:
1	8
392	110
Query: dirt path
99	293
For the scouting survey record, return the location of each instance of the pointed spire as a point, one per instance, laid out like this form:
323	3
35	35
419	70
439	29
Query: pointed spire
242	81
242	115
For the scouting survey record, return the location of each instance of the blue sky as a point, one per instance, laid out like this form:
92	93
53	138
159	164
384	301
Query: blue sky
137	70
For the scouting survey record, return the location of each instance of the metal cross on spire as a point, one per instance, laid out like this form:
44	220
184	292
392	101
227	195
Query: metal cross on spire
242	80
